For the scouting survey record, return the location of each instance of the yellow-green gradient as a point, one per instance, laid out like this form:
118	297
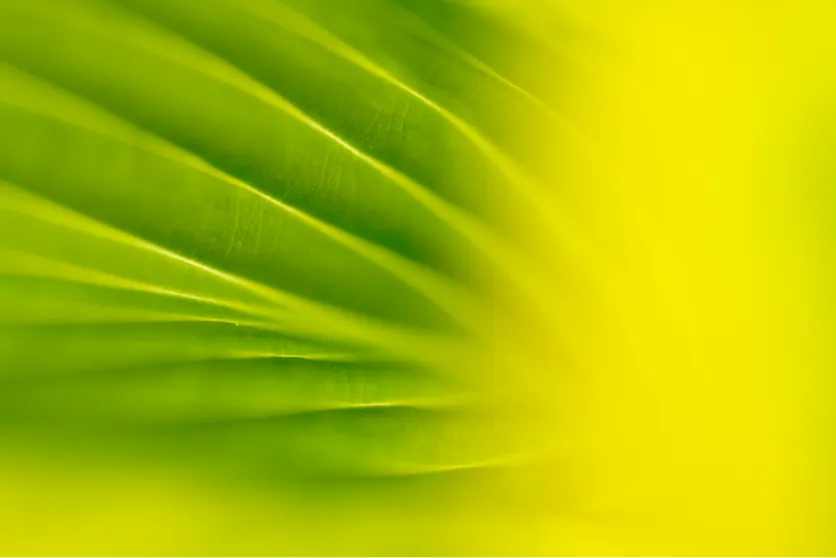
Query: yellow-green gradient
417	277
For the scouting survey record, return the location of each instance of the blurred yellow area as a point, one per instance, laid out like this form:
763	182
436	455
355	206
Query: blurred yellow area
711	409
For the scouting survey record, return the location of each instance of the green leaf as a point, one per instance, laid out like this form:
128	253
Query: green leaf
265	231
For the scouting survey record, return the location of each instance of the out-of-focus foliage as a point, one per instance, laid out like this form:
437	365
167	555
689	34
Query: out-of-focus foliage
269	245
406	277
